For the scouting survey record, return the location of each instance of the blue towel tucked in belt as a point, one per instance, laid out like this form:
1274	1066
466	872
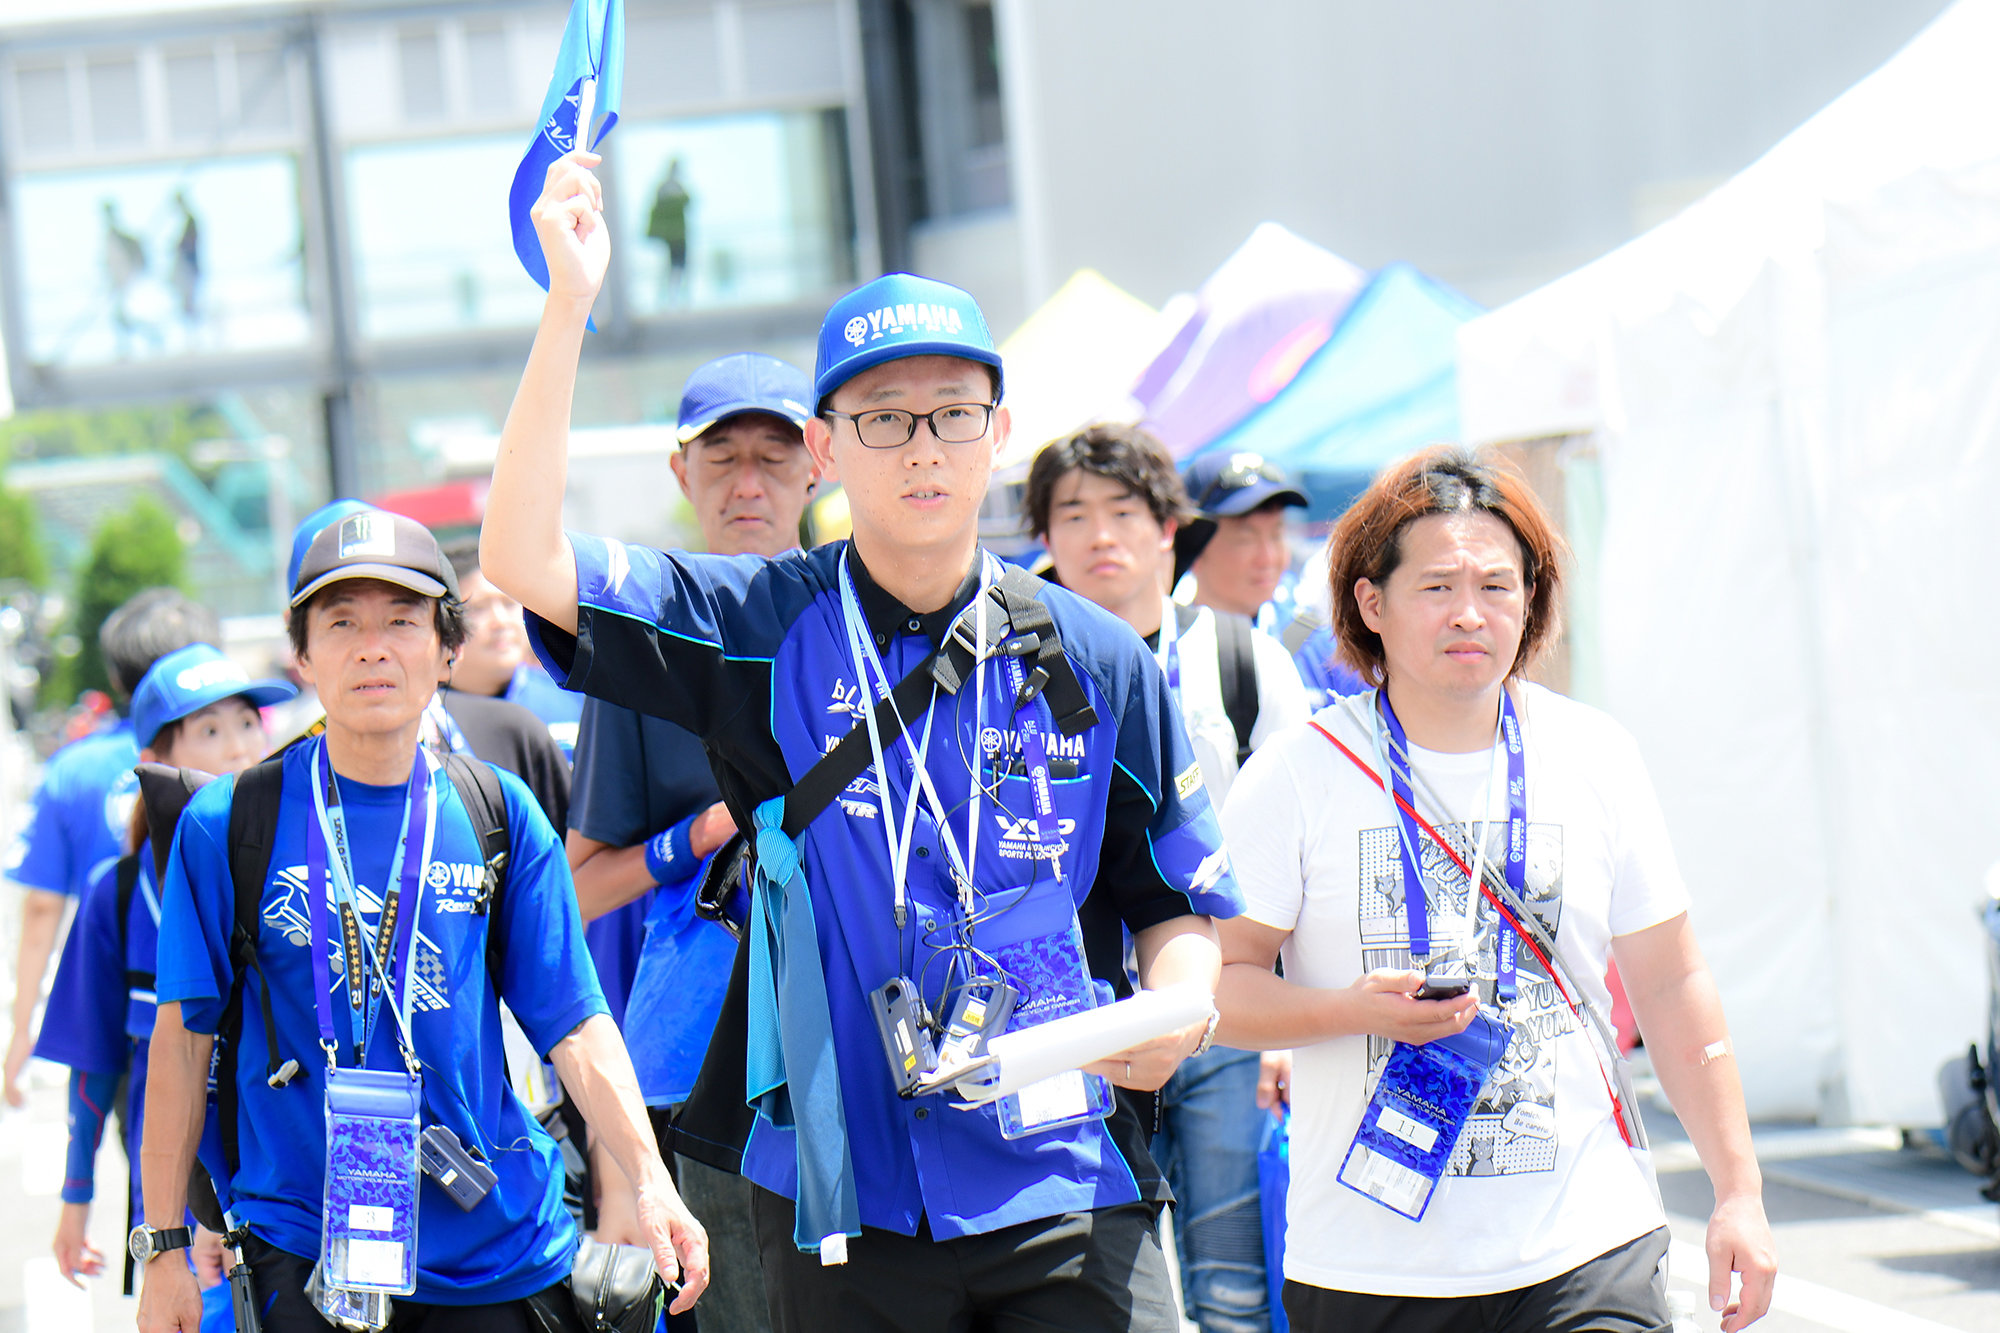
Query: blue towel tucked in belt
793	1078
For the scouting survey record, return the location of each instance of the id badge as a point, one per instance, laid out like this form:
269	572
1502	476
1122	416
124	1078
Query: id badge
1412	1123
1042	958
368	1231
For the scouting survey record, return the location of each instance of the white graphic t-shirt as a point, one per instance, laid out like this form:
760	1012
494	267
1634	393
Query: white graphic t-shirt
1541	1181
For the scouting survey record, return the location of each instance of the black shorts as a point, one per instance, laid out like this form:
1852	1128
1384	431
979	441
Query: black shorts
278	1277
1093	1272
1621	1291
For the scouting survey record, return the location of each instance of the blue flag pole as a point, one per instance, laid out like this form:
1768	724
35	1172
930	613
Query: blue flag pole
589	77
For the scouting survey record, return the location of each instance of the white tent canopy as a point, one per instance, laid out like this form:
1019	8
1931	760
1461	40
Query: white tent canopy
1793	390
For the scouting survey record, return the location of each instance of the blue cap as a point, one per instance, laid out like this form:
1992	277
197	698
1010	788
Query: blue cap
317	522
1223	485
895	316
746	382
188	680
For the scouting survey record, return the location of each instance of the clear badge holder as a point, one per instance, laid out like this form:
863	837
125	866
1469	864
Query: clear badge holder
1044	962
368	1230
1420	1107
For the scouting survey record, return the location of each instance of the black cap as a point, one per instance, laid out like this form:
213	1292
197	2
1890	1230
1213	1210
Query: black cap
376	544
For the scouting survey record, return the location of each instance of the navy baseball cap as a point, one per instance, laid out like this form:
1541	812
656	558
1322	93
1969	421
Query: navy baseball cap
315	523
729	386
899	315
376	544
188	680
1225	485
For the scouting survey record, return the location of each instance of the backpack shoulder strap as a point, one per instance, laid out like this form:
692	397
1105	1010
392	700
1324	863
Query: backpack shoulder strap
1236	661
1020	594
478	788
253	823
127	881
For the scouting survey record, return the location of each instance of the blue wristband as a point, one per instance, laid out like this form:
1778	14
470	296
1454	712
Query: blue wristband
670	853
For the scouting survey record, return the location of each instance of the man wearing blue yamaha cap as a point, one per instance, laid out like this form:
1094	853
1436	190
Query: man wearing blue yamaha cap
1002	854
647	815
1237	548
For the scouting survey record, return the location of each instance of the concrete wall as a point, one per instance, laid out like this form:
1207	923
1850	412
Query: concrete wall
1495	145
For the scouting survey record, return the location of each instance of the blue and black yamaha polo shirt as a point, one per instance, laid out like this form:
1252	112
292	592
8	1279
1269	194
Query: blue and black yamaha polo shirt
752	655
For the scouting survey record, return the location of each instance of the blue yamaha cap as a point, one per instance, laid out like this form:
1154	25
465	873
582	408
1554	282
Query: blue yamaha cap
746	382
190	679
315	523
899	315
1225	485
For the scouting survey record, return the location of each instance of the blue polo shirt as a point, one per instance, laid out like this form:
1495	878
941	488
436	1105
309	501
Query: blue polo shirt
560	710
519	1239
752	656
81	812
637	775
1326	676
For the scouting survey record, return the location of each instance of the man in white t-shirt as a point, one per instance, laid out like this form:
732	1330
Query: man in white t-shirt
1106	502
1445	579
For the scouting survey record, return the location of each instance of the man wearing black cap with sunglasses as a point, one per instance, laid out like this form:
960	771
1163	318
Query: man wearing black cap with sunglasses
1236	549
375	942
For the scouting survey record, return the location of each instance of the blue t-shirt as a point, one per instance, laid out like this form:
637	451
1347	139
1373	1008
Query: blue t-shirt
1326	677
519	1239
637	775
752	655
559	709
81	813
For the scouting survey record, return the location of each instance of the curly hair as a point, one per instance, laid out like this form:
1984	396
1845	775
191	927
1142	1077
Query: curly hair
1367	543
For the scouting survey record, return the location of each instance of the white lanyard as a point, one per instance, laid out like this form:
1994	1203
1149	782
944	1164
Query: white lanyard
340	879
1169	653
861	649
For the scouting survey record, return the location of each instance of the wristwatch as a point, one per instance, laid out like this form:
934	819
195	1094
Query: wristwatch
1207	1035
147	1243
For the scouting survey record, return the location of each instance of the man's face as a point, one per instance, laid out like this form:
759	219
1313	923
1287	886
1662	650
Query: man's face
1105	542
373	654
1240	567
923	493
1452	613
748	479
496	638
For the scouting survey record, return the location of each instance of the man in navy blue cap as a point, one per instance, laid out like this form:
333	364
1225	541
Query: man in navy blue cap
646	814
1022	799
1236	549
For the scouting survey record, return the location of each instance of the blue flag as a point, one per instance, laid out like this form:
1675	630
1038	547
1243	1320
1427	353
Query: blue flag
593	48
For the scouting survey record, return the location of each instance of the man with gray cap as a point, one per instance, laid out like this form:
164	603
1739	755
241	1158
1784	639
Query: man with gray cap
378	874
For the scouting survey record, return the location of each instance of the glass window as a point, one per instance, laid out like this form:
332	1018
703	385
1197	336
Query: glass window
448	263
489	79
42	92
194	103
422	67
734	210
174	259
679	53
115	118
263	89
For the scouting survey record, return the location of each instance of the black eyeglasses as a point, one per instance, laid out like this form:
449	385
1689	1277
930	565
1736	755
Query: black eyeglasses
891	427
1244	470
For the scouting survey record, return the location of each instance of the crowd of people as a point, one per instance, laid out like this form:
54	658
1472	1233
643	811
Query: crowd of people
605	896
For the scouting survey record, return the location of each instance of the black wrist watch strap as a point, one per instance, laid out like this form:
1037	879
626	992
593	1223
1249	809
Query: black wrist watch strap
147	1243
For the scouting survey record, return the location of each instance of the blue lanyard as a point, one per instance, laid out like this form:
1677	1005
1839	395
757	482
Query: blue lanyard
1415	904
1035	757
374	963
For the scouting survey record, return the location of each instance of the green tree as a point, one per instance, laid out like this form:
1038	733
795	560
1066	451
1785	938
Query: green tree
132	551
168	428
21	555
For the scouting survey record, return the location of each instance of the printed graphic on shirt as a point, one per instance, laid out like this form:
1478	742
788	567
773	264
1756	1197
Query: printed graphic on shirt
1513	1126
288	913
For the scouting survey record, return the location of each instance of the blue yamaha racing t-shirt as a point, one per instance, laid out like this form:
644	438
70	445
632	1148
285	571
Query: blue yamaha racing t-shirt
519	1239
754	656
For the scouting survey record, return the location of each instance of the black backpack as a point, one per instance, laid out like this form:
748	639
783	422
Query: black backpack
253	820
1236	662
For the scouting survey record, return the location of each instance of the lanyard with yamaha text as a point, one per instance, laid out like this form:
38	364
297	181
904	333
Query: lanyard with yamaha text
874	680
1396	762
374	965
1034	757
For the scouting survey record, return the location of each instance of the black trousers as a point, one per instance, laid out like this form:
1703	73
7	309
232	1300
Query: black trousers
1621	1291
1092	1272
279	1279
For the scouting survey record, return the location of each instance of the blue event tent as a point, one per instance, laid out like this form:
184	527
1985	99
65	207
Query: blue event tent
1384	385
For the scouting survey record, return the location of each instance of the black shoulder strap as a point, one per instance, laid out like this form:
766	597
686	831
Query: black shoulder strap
128	884
479	791
1236	660
253	823
1020	594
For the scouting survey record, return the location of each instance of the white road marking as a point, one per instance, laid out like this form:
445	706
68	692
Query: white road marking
51	1304
1825	1306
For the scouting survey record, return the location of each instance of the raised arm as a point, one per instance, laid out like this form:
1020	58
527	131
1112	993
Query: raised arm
522	549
